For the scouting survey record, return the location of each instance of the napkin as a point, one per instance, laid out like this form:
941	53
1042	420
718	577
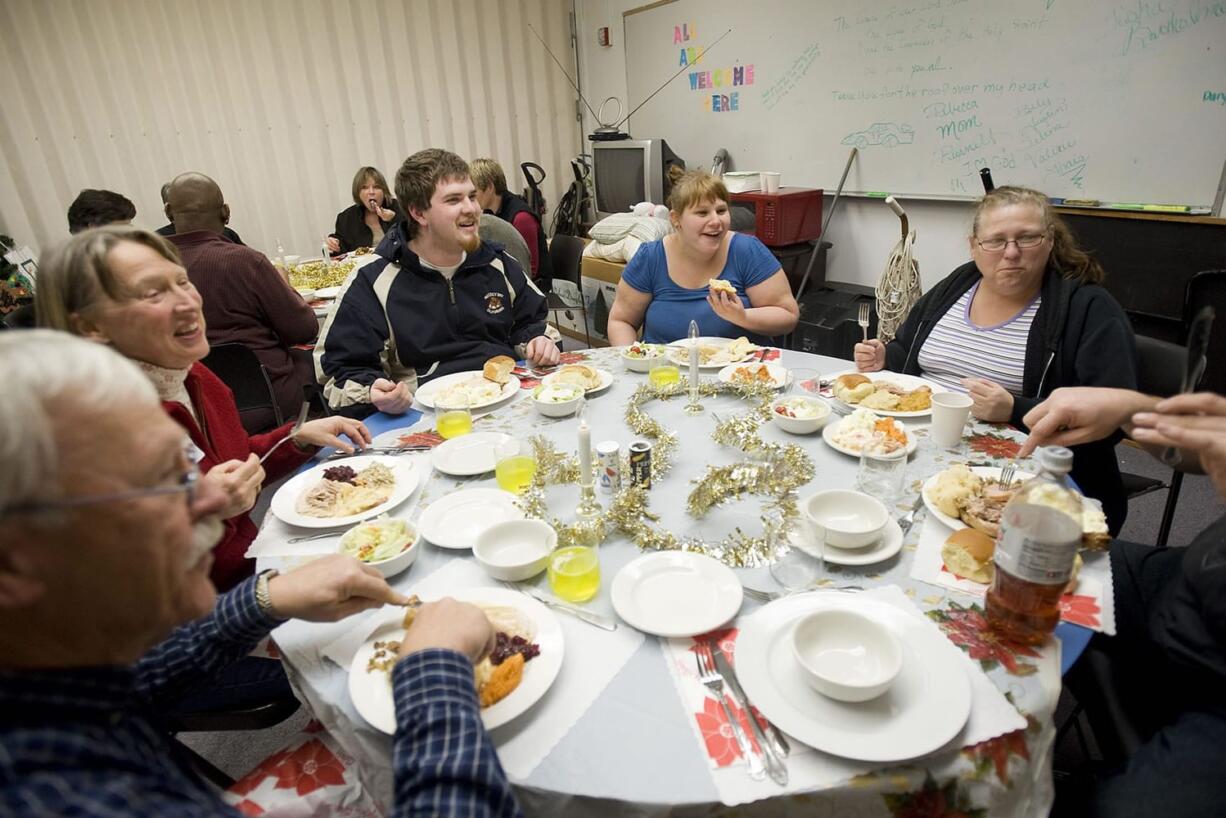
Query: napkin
1091	605
991	715
592	658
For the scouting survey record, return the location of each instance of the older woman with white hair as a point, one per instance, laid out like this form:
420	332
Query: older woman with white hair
127	288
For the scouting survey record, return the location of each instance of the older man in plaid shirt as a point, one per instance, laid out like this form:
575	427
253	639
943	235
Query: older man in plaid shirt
106	608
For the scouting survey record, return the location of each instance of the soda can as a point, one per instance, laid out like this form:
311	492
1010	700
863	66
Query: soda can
640	463
608	455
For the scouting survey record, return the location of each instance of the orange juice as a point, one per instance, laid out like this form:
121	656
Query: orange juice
454	423
574	573
514	474
665	375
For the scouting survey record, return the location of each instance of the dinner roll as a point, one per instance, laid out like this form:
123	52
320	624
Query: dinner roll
968	554
498	369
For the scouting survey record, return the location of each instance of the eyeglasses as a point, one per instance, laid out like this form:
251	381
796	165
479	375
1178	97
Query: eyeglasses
185	483
1022	242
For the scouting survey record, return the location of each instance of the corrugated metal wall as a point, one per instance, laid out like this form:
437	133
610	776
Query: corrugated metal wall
279	100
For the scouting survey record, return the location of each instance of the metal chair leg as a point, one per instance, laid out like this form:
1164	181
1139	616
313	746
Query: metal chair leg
1168	511
587	332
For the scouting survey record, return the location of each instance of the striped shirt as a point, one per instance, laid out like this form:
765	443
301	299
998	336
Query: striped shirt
80	741
957	348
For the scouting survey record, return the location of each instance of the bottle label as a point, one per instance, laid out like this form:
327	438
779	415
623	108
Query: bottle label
1037	544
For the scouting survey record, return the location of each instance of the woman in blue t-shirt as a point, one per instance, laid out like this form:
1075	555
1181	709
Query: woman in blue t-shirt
667	283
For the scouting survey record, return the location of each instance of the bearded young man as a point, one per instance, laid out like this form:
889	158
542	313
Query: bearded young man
434	300
107	610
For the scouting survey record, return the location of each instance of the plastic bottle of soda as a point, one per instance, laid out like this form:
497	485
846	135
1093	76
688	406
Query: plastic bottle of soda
1040	532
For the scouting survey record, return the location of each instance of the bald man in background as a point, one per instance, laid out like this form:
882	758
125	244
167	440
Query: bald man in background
246	300
169	229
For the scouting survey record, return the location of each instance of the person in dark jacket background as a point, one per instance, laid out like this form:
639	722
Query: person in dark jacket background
367	220
1024	317
432	300
493	196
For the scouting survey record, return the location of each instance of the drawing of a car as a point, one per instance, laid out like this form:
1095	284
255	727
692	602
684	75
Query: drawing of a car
887	134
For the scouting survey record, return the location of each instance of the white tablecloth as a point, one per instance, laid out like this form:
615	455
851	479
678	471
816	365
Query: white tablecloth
633	751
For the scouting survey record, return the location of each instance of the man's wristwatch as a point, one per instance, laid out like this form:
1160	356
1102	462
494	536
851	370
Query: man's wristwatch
262	599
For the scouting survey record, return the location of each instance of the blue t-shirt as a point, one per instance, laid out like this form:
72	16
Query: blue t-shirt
673	307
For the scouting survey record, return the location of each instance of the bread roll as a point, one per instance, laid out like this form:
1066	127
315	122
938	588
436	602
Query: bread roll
498	369
968	554
851	380
722	285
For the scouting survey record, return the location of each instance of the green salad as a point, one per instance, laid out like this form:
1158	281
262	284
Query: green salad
378	540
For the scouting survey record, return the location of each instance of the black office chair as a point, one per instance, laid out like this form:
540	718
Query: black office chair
239	368
1208	289
1160	367
258	716
566	256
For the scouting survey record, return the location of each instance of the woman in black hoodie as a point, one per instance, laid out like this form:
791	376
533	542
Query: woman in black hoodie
1027	315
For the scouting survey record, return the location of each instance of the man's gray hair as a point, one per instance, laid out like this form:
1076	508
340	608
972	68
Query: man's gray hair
41	370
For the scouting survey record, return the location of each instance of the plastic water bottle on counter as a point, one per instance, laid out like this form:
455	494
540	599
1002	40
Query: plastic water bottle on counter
1040	532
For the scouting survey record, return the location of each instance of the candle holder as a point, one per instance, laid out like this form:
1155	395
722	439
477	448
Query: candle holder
693	407
589	507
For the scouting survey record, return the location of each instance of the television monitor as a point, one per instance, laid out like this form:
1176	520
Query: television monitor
630	171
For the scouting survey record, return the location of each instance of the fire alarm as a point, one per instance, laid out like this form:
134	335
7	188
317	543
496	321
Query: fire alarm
602	35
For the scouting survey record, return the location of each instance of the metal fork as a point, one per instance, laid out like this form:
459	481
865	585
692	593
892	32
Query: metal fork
771	596
862	319
712	681
302	416
1006	474
907	520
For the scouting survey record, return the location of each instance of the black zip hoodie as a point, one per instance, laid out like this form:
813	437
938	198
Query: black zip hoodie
1080	337
396	319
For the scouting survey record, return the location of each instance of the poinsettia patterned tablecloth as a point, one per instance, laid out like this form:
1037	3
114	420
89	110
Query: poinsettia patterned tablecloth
633	751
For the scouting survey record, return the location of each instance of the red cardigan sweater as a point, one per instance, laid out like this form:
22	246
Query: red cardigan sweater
227	440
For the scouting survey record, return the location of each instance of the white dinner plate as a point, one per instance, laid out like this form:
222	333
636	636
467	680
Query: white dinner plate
925	708
426	393
371	692
779	374
828	435
391	438
905	381
676	593
680	353
988	472
284	502
328	292
469	454
606	380
886	547
455	520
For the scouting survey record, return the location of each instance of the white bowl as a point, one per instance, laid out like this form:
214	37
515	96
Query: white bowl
515	550
846	655
844	518
642	364
559	409
392	566
801	426
307	293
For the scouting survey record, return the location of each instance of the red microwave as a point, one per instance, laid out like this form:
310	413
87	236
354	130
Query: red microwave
791	216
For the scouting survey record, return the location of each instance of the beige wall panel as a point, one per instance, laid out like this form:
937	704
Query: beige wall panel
279	100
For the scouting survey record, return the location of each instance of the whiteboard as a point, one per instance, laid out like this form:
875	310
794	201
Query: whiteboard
1120	101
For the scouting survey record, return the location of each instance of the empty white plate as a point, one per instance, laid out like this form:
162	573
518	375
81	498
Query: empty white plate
457	519
676	593
468	455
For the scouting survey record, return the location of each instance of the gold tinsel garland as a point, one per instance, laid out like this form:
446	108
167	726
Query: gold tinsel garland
774	472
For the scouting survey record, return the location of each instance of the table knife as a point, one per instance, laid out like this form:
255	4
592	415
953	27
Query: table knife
774	738
596	619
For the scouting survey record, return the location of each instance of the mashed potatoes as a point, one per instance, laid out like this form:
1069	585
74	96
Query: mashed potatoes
952	488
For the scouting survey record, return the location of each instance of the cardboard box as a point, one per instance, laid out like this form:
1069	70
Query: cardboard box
601	270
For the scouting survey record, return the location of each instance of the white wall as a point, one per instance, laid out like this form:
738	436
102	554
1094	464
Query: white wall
279	100
863	231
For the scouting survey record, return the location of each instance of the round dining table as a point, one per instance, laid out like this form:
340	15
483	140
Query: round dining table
629	744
